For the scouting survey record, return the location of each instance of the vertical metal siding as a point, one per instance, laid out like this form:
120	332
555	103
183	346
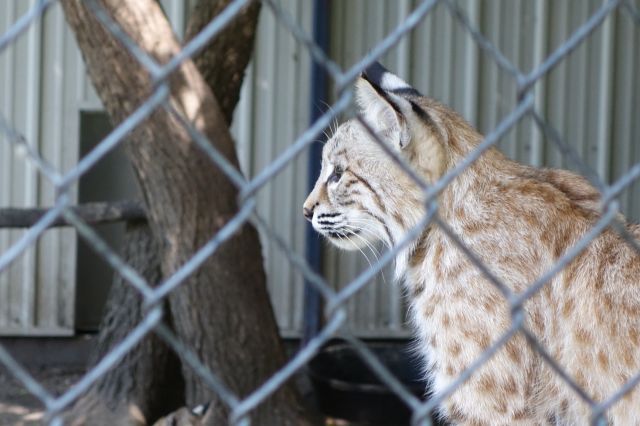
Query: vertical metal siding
272	112
44	88
55	297
6	74
37	293
591	97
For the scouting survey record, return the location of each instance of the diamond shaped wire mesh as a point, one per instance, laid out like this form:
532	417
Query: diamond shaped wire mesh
335	300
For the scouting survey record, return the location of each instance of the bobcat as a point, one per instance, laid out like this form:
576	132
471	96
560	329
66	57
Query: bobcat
518	221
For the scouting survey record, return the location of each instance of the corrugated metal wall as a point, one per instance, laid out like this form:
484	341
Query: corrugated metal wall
592	98
273	111
37	293
43	89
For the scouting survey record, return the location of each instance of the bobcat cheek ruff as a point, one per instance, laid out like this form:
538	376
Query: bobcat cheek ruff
518	221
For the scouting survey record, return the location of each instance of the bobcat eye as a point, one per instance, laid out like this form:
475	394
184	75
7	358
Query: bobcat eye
336	175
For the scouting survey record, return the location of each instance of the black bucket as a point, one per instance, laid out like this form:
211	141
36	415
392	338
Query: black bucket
346	388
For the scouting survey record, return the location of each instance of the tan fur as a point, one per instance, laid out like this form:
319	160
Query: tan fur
518	221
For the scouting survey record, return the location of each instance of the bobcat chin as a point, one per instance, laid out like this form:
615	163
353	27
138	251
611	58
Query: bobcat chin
518	221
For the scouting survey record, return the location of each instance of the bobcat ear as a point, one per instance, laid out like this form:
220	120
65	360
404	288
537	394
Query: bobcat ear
378	96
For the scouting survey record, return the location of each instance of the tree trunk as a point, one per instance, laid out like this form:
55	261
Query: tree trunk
121	396
222	311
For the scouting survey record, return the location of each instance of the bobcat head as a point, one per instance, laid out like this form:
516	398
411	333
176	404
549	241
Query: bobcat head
362	195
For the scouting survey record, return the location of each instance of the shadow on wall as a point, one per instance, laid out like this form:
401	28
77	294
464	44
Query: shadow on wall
112	179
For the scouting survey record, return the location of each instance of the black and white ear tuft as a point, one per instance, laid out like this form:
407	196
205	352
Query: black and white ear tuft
379	76
379	94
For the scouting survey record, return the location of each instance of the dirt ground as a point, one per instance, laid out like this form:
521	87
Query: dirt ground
18	407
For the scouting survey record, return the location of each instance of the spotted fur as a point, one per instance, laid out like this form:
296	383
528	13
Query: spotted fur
518	221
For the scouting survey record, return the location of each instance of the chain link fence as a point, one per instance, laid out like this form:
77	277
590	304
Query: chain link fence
335	313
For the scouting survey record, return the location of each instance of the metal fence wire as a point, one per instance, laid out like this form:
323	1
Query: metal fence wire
335	301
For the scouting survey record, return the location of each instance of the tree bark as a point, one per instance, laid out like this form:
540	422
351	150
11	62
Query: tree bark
223	62
222	312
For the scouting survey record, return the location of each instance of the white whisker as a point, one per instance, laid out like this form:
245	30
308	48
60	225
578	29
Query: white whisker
356	246
374	251
372	223
364	240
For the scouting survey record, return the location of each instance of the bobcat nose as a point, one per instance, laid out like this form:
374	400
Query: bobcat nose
308	213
